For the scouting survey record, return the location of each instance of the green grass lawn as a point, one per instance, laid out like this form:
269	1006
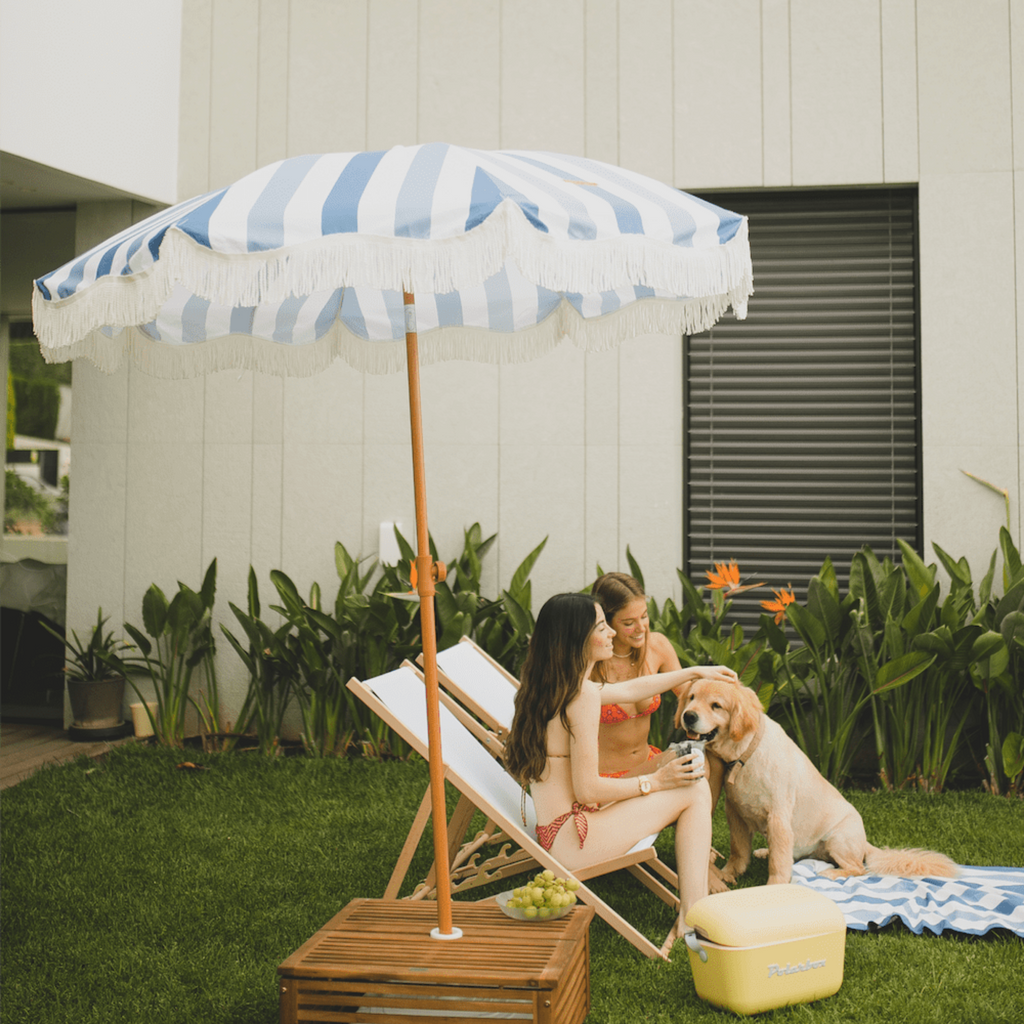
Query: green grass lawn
135	891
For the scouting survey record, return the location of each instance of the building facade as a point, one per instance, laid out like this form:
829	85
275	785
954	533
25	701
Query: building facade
588	450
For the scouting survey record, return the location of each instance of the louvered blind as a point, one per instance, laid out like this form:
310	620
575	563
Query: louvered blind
802	423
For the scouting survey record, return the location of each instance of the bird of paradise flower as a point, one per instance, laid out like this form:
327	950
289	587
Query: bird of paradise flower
726	578
782	599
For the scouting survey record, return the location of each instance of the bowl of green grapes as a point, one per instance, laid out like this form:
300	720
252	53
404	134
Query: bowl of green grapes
543	898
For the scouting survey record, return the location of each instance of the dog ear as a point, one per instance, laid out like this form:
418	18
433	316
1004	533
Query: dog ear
683	693
746	713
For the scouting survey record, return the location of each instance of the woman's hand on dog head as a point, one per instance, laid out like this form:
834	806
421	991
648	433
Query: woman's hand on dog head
717	673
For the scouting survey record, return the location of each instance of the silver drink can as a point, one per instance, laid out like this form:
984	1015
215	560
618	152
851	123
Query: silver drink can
695	747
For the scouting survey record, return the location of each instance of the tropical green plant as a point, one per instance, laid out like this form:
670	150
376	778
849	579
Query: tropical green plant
24	504
999	677
270	670
503	628
817	687
925	718
178	638
94	658
12	407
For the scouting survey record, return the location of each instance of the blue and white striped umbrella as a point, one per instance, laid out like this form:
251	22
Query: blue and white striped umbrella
306	260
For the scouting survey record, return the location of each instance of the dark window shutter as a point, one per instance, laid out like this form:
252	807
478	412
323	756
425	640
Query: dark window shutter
802	421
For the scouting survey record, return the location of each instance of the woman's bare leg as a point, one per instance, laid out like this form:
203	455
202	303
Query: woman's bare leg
616	827
693	841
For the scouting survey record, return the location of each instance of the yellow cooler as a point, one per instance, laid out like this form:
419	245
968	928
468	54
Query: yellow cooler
766	946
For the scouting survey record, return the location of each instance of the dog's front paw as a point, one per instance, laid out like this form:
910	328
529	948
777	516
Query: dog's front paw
762	853
716	883
729	875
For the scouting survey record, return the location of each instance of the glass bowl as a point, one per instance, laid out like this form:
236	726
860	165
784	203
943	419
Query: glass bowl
519	914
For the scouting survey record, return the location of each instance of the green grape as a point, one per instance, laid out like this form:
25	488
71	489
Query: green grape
544	896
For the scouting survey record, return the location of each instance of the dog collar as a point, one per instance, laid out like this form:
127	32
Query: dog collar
747	754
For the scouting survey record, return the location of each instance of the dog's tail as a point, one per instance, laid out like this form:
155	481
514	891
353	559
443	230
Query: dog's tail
909	863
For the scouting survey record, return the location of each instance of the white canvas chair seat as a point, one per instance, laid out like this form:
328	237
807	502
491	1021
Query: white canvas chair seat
398	697
480	684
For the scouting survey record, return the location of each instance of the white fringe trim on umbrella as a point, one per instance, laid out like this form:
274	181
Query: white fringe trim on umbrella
476	344
440	266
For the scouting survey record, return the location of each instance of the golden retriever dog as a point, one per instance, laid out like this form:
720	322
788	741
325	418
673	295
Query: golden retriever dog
771	787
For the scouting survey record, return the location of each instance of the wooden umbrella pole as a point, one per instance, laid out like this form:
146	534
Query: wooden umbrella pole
425	578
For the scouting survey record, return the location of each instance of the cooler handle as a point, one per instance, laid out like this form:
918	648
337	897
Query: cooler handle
690	938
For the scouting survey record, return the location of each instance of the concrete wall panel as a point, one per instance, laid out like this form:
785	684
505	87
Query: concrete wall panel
602	543
542	66
718	123
542	494
646	89
327	76
163	519
234	91
965	94
195	97
99	413
650	513
267	511
227	510
601	80
970	419
96	539
228	407
322	503
392	74
968	321
836	92
460	73
899	90
776	94
542	401
272	82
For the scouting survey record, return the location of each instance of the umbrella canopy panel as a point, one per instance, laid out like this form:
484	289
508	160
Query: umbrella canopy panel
306	261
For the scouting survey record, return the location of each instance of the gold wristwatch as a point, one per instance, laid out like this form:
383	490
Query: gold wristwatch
645	784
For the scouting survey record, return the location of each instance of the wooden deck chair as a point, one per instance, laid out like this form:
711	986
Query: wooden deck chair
480	685
397	697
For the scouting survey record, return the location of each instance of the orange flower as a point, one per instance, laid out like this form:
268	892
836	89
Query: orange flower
726	578
782	598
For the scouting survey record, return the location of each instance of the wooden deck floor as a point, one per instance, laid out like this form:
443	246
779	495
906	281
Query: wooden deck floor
24	748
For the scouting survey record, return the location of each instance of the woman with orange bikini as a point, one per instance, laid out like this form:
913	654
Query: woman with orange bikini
553	748
624	751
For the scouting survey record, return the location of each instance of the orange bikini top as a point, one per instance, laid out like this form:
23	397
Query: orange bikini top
612	713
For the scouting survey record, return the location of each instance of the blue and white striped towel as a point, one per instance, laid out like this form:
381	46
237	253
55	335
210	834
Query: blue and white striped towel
980	900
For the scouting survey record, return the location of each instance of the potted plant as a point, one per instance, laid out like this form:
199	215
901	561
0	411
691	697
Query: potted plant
95	684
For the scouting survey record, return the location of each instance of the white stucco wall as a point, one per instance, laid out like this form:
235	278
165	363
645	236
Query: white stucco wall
585	449
92	89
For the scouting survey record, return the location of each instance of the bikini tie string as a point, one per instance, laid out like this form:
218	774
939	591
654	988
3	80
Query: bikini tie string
546	833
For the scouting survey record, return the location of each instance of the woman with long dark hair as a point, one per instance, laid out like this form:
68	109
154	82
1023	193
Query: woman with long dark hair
553	747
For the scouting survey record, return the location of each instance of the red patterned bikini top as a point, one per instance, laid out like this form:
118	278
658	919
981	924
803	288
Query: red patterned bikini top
612	713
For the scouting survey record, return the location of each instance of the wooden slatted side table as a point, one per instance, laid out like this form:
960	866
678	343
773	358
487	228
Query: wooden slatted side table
375	961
